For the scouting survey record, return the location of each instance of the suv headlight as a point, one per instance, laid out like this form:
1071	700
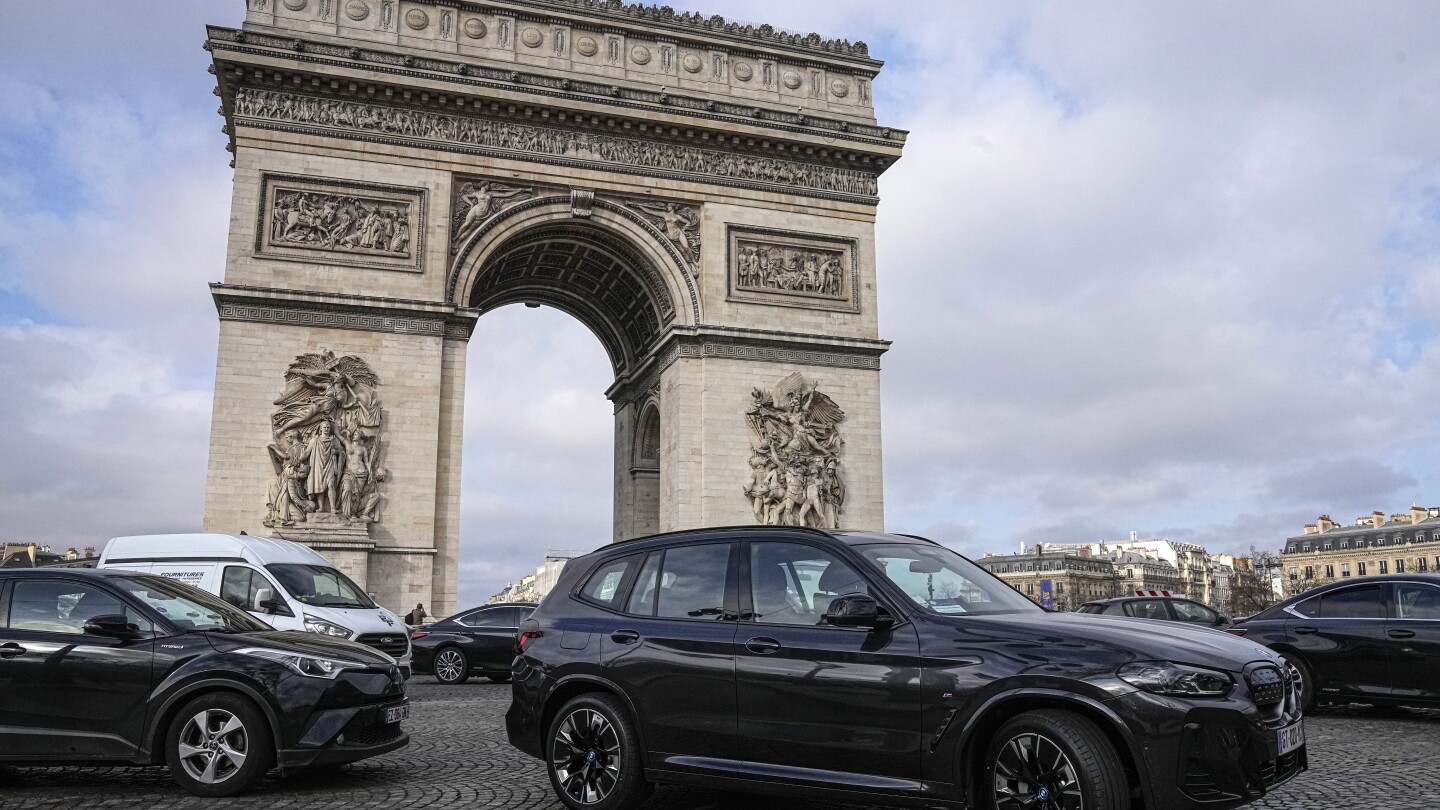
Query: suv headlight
325	628
312	666
1180	680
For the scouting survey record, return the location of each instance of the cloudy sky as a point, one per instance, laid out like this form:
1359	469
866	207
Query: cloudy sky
1162	267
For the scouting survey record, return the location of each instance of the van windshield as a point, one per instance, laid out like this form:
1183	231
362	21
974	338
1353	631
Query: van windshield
187	607
320	585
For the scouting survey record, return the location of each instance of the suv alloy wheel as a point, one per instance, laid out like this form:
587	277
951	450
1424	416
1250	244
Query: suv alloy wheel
1054	760
218	745
594	756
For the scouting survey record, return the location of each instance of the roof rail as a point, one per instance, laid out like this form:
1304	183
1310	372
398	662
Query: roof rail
739	528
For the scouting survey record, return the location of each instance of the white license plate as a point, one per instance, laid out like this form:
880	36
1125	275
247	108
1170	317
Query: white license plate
395	714
1290	738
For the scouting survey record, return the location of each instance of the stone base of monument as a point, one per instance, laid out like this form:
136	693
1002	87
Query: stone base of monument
328	536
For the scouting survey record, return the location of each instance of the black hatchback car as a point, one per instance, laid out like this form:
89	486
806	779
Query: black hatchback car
115	667
1374	640
476	641
875	667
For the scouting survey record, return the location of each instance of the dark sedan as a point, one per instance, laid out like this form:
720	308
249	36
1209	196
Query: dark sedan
1163	608
479	641
1374	640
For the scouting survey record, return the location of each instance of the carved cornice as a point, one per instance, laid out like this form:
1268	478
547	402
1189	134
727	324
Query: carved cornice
339	311
380	123
472	75
746	344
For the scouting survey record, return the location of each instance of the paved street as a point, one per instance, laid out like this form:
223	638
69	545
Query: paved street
458	758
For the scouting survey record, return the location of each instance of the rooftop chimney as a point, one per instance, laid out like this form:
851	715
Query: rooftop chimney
1417	514
1377	519
1310	528
1325	524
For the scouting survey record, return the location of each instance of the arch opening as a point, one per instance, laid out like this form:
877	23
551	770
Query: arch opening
586	271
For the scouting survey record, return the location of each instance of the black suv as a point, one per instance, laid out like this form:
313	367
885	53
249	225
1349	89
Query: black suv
115	667
872	667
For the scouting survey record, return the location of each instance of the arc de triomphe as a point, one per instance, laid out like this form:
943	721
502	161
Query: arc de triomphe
701	194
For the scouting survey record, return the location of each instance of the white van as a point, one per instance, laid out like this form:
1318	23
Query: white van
286	585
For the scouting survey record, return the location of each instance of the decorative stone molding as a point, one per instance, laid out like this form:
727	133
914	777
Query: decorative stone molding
340	222
795	475
679	223
337	311
258	107
786	268
326	445
582	202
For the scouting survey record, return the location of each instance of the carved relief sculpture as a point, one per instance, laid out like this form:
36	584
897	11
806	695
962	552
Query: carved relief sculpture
679	223
477	201
538	142
359	224
326	448
779	267
796	478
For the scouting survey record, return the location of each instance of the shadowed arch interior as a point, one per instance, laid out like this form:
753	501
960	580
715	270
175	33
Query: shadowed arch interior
586	271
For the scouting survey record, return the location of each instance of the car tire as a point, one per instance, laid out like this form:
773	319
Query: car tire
219	745
592	753
1045	757
499	678
1309	696
452	666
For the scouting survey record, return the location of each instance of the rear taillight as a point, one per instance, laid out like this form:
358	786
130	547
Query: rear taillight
1236	631
417	636
523	639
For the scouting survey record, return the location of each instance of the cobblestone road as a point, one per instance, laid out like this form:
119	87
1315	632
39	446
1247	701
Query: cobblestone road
1359	759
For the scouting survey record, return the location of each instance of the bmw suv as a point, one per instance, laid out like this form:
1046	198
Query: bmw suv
876	667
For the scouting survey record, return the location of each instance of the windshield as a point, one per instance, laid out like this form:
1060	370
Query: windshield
320	585
942	581
188	607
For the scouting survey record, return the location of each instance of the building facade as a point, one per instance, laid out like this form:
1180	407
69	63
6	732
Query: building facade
1326	551
1074	578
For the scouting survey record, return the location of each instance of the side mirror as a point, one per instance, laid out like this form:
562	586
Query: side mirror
264	600
1222	620
857	610
111	625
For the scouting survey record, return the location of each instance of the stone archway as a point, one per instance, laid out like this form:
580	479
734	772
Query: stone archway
700	194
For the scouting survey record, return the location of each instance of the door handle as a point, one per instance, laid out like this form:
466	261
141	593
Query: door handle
763	646
1304	631
624	636
11	650
1400	633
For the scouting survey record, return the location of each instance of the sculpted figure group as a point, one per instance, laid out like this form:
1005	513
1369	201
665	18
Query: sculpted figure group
337	222
772	267
326	449
795	473
365	117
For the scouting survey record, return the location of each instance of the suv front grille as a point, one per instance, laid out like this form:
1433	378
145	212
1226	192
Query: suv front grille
394	645
1267	686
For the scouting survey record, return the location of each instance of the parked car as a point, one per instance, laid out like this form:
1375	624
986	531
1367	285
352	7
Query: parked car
479	641
287	585
1373	640
875	667
115	667
1163	608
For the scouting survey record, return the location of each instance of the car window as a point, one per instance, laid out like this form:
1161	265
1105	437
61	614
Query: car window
320	585
1091	609
642	596
1309	608
939	580
63	606
494	617
1193	612
692	582
1417	601
603	587
1147	609
241	587
792	583
1352	603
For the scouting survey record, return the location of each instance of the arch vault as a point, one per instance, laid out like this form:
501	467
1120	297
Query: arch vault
700	194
